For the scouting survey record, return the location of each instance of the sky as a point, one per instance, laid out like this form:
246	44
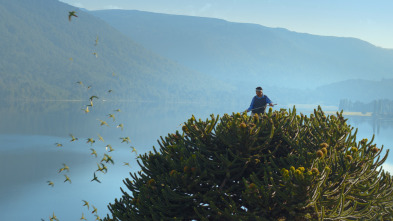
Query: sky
369	20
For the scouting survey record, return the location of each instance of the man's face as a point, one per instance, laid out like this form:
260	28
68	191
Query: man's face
259	93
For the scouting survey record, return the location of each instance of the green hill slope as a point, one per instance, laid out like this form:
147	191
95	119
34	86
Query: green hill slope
249	53
43	55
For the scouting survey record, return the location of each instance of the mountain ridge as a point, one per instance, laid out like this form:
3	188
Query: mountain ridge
227	50
43	55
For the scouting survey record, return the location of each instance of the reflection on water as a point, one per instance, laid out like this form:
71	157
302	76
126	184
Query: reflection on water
30	158
378	125
381	124
29	132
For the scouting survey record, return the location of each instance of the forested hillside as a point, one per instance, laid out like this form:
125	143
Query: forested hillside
357	90
149	56
382	108
331	94
43	55
244	54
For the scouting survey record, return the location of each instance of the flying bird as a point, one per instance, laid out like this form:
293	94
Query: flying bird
58	144
73	138
107	159
93	152
67	179
83	217
104	158
79	82
53	217
86	110
102	168
118	110
126	164
93	97
86	204
109	147
121	126
96	43
103	123
50	183
133	149
125	139
90	140
95	54
95	179
65	167
112	116
101	138
94	210
70	14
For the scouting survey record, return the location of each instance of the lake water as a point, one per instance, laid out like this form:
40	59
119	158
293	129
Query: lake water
29	156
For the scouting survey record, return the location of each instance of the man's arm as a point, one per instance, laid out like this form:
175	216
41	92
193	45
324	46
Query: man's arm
269	101
251	105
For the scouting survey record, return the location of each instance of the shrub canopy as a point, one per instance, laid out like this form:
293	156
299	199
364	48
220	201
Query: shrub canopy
277	166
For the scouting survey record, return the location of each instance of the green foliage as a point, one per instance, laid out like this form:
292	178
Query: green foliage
278	166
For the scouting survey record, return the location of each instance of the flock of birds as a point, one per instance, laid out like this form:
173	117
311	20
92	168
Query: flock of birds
85	203
106	158
102	165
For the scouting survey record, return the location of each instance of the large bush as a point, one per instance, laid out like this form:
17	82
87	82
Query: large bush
277	166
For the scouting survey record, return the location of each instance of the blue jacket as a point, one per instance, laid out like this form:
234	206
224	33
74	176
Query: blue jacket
258	104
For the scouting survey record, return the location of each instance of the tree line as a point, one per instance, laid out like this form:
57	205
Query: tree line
380	107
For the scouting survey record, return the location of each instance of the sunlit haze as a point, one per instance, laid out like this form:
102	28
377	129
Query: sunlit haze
367	20
103	108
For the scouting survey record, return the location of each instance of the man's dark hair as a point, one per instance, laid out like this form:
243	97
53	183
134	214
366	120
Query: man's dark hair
258	88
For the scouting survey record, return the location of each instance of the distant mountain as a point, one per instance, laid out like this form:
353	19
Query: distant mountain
150	56
357	90
43	55
247	55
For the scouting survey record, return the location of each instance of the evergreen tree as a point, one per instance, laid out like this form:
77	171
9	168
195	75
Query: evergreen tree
277	166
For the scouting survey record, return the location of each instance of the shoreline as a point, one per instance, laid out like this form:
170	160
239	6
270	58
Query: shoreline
352	113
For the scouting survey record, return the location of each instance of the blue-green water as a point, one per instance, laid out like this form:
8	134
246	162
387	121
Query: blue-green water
29	156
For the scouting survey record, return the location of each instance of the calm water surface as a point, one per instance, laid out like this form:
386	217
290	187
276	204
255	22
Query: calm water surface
29	156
